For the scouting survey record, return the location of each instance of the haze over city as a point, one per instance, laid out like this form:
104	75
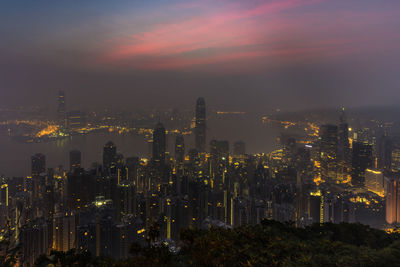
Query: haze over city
199	133
245	55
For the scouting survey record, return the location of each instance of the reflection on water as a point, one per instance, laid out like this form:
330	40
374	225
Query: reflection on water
15	157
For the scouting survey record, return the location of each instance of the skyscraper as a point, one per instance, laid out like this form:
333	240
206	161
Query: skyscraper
200	130
61	107
76	120
328	141
239	148
179	148
159	145
343	151
361	160
38	164
343	148
219	157
109	158
392	199
395	158
74	159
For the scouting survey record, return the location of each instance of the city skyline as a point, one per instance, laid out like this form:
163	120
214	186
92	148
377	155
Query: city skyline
199	132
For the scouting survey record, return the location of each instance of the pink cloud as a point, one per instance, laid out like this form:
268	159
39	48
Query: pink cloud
236	33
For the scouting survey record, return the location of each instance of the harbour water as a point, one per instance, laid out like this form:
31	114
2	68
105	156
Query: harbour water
15	156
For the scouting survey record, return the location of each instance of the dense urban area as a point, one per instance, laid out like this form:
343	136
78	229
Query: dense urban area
165	204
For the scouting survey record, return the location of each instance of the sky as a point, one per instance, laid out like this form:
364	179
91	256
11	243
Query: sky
239	55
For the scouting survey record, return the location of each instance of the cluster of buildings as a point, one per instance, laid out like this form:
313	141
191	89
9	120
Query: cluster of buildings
341	176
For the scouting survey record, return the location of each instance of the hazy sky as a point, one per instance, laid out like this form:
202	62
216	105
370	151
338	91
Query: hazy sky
246	54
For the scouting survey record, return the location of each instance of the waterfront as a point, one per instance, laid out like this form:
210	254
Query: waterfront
15	156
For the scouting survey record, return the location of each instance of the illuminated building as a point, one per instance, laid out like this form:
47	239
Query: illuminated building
132	166
328	151
395	159
304	166
392	192
361	160
4	194
64	231
35	237
383	151
200	129
76	120
385	147
343	148
289	150
374	181
80	189
100	233
125	202
74	160
38	164
179	149
61	108
159	145
219	159
239	148
109	159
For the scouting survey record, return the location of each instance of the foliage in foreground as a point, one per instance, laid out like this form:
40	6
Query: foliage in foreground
267	244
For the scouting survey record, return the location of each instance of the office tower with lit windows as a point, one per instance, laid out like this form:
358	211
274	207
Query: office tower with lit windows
179	154
38	164
35	237
61	108
179	148
343	148
395	158
81	189
361	160
109	159
75	158
200	130
289	150
392	193
64	231
219	161
374	181
159	145
4	194
132	169
76	120
388	145
328	141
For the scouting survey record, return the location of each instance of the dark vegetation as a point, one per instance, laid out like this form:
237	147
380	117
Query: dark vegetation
270	243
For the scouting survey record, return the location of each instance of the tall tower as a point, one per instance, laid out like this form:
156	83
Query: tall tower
361	160
179	154
179	148
61	107
343	148
328	138
343	151
74	160
109	158
392	199
38	164
159	145
200	130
